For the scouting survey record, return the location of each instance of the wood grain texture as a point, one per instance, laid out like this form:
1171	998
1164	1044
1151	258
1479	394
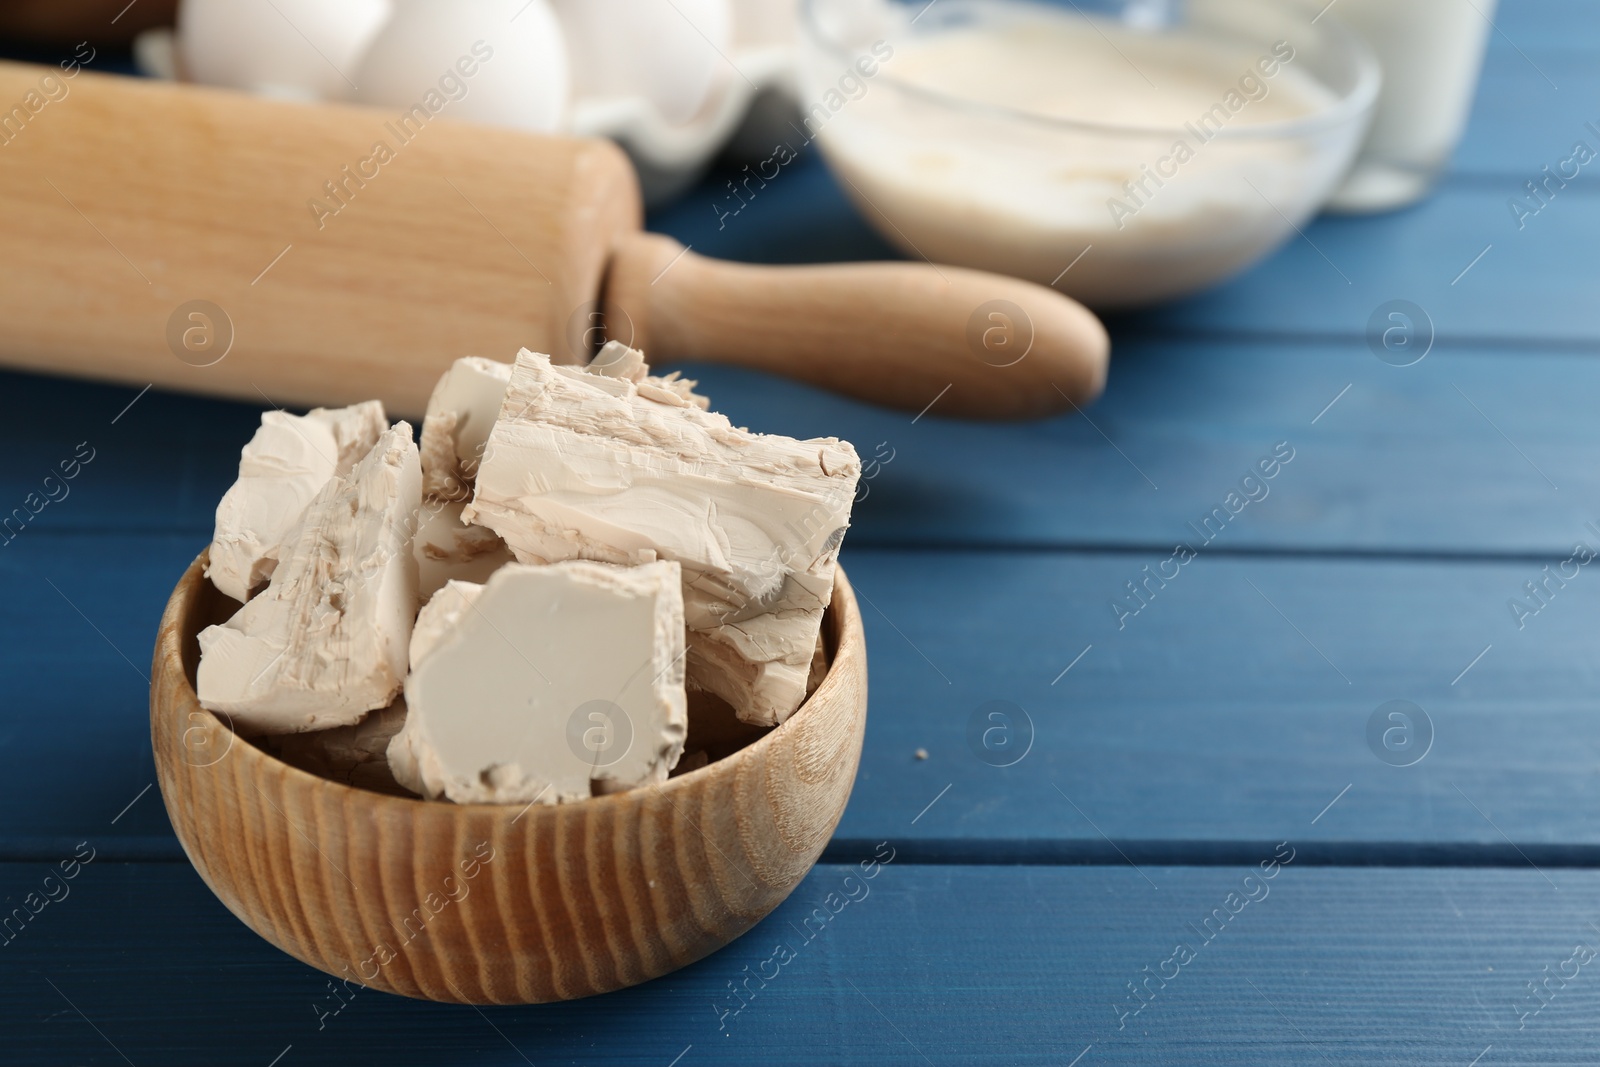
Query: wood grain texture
904	335
334	272
1401	462
948	966
487	904
1209	723
1201	722
1531	104
1529	289
469	241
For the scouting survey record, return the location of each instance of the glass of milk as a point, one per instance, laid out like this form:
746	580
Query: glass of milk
1124	151
1431	52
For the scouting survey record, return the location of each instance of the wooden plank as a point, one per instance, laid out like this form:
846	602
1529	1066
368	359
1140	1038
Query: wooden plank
1210	715
1547	25
79	617
1242	691
1533	101
157	461
1528	289
929	965
1451	455
1536	91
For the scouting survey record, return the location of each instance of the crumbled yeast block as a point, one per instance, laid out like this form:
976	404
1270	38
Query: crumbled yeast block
460	411
455	432
326	641
285	465
547	684
355	755
449	550
617	360
582	465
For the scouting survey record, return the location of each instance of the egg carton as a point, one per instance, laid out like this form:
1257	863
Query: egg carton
753	106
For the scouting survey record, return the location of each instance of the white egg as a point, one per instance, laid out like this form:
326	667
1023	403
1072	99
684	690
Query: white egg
514	51
302	49
671	52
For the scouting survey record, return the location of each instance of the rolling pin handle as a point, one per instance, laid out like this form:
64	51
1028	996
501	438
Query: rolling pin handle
909	335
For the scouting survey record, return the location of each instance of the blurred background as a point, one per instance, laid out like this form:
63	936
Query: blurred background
1168	146
1272	205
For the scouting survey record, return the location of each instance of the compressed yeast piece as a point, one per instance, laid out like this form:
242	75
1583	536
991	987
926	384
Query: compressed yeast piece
617	360
456	425
461	410
448	549
546	684
285	465
582	465
326	641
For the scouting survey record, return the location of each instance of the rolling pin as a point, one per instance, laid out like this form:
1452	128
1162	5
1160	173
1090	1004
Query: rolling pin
212	242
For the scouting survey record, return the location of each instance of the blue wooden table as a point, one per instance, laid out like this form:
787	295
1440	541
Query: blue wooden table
1207	842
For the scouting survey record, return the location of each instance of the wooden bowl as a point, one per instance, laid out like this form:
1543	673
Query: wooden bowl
490	904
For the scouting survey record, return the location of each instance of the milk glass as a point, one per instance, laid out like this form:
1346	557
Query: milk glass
1431	52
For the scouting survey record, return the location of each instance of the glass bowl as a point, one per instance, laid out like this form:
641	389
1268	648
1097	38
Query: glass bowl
1123	151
